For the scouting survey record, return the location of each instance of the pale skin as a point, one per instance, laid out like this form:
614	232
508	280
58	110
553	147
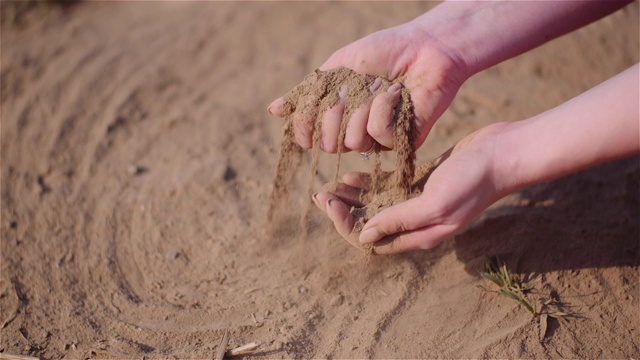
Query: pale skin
434	55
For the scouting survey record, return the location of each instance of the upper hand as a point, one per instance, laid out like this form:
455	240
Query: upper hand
431	74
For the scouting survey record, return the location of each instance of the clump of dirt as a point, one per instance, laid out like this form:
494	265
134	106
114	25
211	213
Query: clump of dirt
306	104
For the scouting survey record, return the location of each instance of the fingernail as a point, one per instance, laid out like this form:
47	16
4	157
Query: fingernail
273	103
395	87
376	85
343	91
329	202
368	236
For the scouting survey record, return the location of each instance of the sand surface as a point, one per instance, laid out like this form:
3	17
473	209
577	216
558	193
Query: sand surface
137	162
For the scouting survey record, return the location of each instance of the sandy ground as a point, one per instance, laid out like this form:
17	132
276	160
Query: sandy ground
137	160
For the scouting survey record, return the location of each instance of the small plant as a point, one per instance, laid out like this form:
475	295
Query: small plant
513	288
550	309
509	285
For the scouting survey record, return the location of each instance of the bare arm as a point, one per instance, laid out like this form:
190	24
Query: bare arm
482	34
598	126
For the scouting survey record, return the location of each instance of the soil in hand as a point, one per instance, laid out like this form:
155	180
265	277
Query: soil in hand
305	105
388	194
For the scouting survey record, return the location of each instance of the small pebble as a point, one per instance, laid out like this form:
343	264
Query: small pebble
285	330
337	300
173	254
133	169
302	290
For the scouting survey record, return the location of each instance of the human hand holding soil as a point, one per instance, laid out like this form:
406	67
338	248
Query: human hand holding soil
432	56
462	185
424	67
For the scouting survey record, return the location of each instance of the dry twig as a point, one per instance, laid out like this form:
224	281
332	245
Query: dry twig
243	350
4	356
222	348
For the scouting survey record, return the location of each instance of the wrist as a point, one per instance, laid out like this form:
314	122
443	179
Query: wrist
482	34
504	159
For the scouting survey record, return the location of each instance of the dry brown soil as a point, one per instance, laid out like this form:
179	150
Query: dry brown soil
136	167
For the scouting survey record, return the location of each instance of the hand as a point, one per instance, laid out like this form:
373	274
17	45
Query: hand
431	74
458	190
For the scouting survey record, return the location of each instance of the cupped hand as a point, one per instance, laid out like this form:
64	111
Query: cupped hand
465	184
430	72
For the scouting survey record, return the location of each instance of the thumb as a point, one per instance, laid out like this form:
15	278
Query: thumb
403	227
403	217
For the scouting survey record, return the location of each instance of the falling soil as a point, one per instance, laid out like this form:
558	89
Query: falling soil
388	194
305	106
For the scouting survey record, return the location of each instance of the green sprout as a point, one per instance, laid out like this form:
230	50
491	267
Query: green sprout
509	285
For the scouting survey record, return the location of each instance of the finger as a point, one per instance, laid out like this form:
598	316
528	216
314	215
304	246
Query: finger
406	216
304	121
434	102
357	180
277	107
347	194
420	239
320	199
331	128
356	137
383	108
339	213
342	220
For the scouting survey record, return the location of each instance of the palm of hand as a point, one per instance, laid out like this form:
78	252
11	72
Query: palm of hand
429	72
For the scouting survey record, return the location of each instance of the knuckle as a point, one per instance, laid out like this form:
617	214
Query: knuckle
330	147
356	142
304	140
376	129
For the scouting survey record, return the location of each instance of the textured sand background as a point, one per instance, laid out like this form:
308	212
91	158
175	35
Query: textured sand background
137	160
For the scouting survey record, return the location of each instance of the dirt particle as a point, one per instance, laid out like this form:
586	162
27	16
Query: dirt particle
172	255
286	330
337	300
134	169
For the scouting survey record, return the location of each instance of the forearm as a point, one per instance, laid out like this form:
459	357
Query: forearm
598	126
482	34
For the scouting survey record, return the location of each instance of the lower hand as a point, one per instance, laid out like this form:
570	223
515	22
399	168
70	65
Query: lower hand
463	186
